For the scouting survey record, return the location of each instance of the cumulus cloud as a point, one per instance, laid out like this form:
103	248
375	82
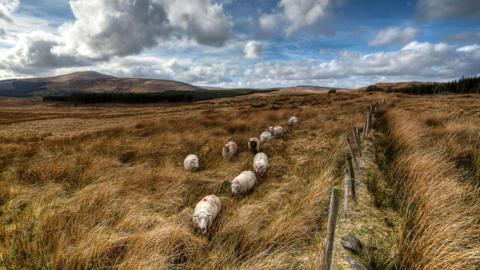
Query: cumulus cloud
394	36
414	61
300	13
448	9
7	7
34	52
109	28
268	23
297	14
253	50
203	20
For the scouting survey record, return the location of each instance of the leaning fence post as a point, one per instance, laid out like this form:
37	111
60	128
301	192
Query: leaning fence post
351	173
356	135
365	128
332	222
368	121
350	149
346	194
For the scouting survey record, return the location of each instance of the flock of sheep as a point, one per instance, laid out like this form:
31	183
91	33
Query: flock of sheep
208	208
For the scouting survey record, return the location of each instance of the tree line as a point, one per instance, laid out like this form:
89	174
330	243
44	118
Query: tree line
461	86
167	96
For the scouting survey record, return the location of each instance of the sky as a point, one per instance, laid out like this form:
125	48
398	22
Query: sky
243	43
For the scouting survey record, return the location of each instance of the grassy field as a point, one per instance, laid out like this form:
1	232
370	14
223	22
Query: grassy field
92	187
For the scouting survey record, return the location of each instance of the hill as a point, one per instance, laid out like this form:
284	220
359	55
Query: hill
395	86
462	86
87	82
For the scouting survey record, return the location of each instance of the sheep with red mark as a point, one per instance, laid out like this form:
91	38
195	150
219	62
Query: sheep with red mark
260	164
205	212
191	163
243	183
229	150
254	145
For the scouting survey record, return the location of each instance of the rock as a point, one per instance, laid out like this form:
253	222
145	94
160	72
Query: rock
352	243
354	264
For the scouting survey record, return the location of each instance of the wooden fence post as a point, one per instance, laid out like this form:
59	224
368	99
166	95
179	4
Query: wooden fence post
356	135
332	222
350	150
346	194
368	121
351	173
365	128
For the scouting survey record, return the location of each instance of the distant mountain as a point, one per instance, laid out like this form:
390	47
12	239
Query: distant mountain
87	82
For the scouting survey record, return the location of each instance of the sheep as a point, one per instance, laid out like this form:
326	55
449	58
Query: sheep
260	164
229	150
276	131
293	121
243	183
254	145
191	163
206	211
265	137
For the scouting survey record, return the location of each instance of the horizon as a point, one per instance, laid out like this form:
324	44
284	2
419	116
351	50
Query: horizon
243	44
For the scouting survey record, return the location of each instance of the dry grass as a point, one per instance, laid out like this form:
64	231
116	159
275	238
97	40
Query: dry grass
107	189
441	210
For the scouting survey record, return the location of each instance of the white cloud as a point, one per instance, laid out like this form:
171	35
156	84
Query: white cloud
297	14
300	13
269	22
34	52
253	50
203	20
415	61
7	7
394	36
108	28
448	9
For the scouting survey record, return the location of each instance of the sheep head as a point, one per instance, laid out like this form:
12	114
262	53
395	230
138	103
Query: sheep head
203	224
235	188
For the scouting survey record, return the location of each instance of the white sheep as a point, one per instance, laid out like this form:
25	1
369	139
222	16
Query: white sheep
206	211
254	145
265	137
276	131
191	163
260	164
229	150
243	183
293	121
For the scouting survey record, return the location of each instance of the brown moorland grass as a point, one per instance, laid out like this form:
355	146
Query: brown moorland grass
441	228
103	186
106	189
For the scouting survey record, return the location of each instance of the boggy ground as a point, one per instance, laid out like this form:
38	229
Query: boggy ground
104	186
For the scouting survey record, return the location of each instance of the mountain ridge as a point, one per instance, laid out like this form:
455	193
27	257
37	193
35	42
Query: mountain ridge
87	82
